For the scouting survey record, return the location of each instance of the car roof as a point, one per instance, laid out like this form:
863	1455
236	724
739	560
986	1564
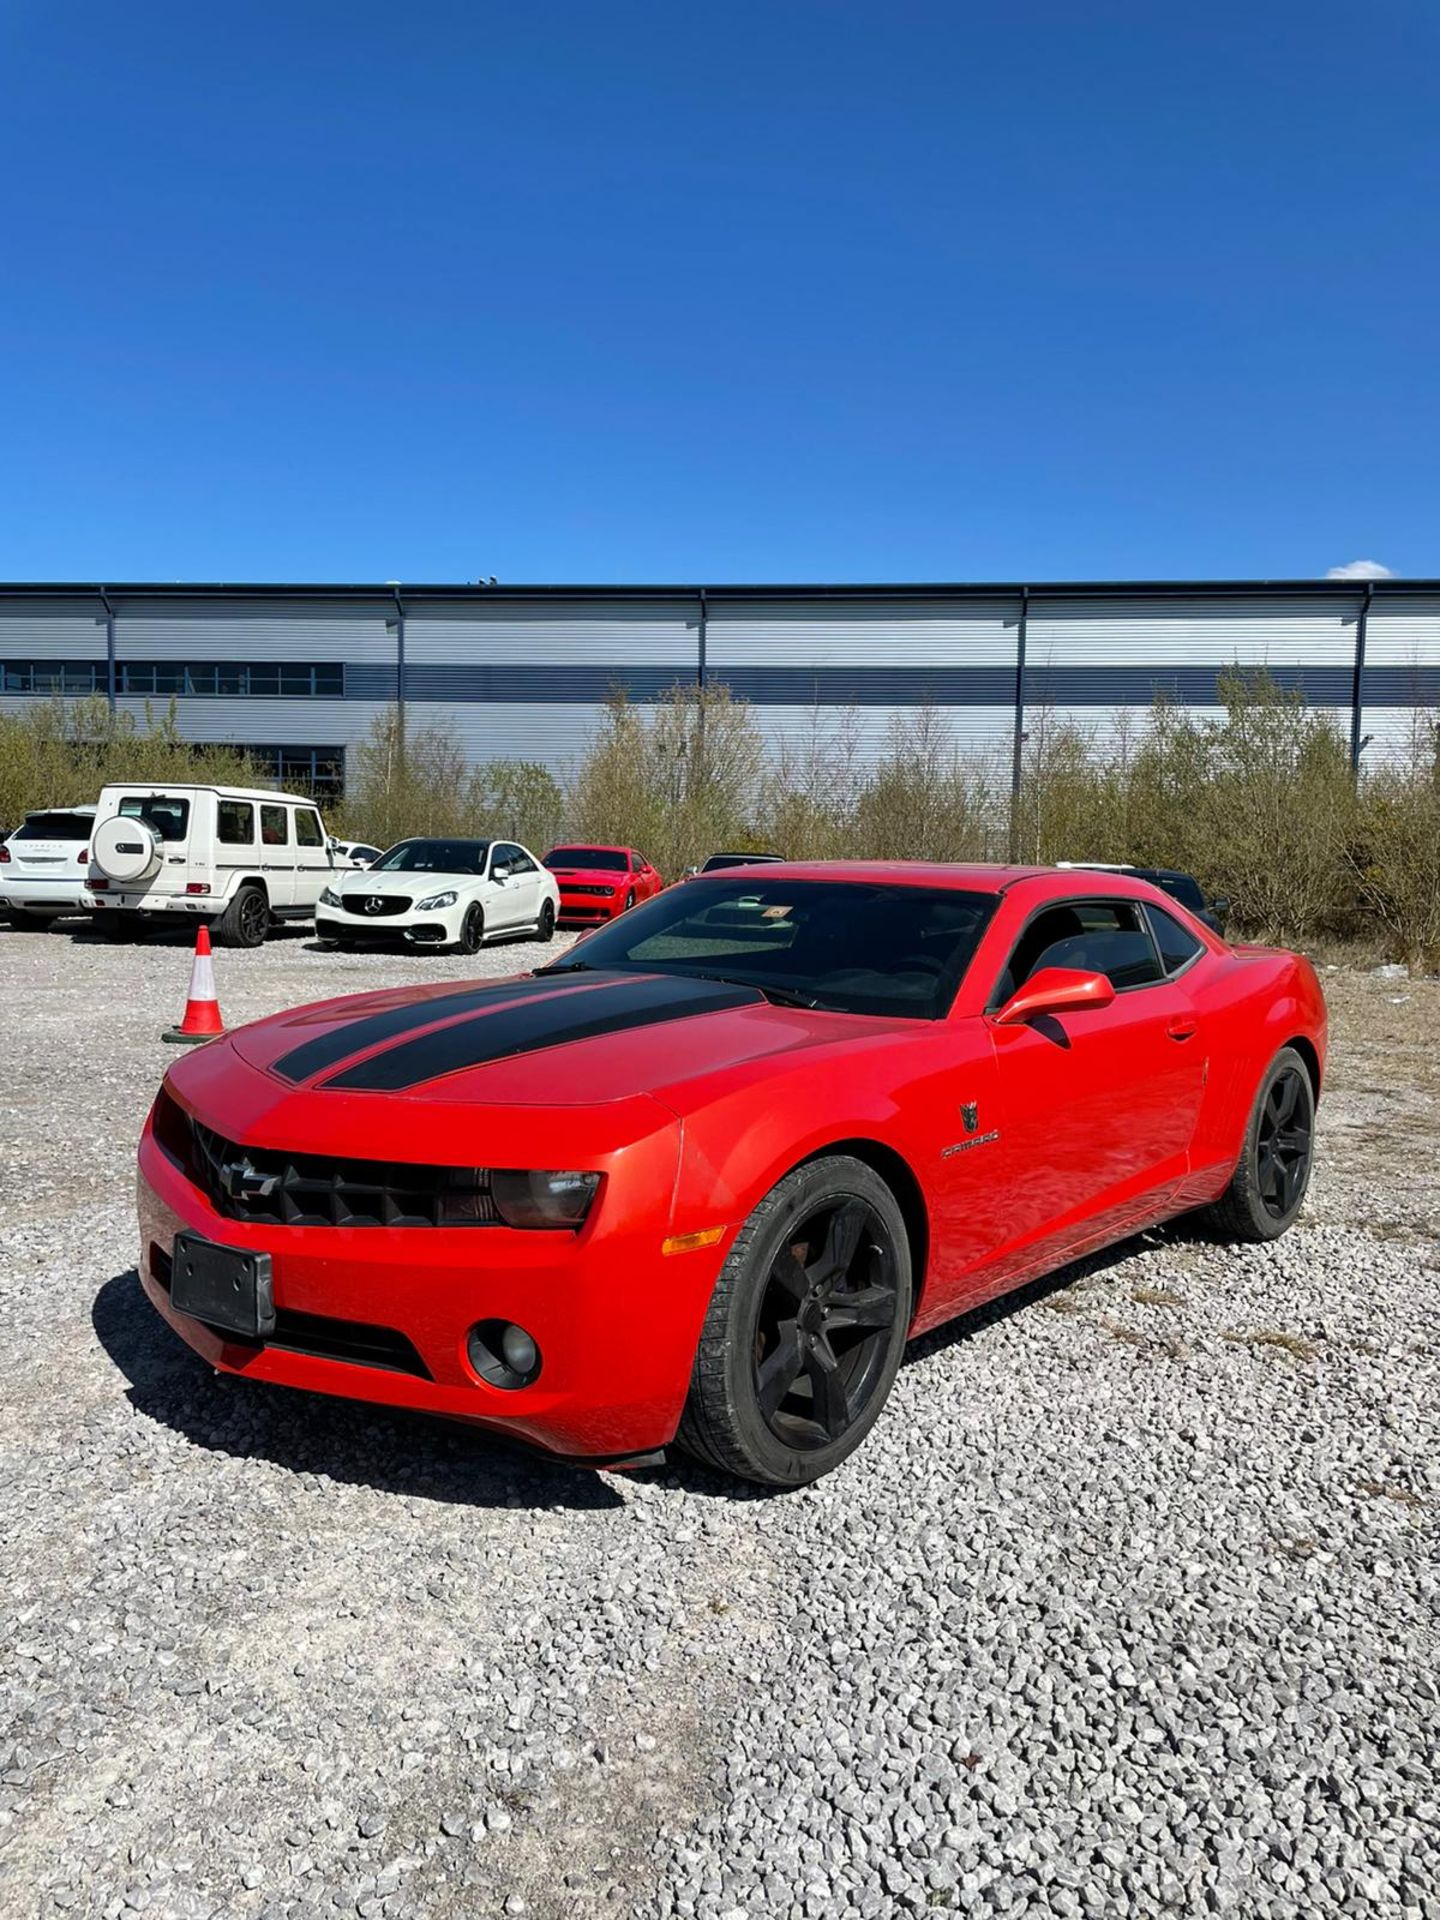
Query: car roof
968	876
587	846
158	789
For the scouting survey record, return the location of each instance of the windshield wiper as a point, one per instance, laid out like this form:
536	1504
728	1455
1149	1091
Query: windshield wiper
777	996
566	966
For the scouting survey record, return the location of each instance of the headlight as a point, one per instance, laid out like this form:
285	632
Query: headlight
329	897
435	901
542	1199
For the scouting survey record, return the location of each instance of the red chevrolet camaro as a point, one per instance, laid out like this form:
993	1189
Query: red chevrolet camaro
597	883
701	1179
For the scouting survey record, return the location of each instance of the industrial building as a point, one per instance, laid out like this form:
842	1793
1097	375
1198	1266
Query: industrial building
296	674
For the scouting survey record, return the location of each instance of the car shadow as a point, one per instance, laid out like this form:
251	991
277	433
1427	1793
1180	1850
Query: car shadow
680	1469
393	1452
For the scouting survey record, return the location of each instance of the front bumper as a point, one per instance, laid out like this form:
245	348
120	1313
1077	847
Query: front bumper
587	909
616	1321
410	929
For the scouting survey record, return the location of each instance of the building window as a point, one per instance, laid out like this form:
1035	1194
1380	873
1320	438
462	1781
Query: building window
52	676
234	679
318	771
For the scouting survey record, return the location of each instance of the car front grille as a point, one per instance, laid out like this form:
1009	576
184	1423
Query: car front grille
375	906
274	1187
567	886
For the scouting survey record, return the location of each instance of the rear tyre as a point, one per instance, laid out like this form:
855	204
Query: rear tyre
22	922
1269	1184
805	1330
472	929
546	929
246	921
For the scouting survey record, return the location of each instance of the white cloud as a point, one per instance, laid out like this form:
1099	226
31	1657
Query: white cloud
1361	570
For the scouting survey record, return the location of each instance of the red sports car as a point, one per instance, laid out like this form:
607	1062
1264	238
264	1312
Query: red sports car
597	883
703	1178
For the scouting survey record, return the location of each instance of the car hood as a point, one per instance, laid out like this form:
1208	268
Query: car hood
588	876
549	1040
366	880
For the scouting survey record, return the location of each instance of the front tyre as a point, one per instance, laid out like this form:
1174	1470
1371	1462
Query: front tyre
805	1330
472	929
1268	1187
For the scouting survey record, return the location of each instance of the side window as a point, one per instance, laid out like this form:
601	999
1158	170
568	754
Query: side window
502	860
1177	946
520	861
1087	936
637	863
235	823
274	828
307	828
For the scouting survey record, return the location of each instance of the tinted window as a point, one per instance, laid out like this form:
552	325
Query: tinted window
307	828
855	947
434	856
1181	887
165	812
1084	936
1177	946
55	826
235	823
719	861
505	859
520	861
604	858
275	826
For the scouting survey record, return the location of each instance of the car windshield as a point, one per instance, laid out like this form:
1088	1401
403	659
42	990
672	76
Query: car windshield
55	826
849	946
719	861
434	856
605	858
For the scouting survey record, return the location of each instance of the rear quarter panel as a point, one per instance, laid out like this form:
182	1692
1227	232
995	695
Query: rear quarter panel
1254	1001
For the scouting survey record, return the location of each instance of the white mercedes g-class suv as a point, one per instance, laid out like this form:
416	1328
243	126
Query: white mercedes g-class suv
240	860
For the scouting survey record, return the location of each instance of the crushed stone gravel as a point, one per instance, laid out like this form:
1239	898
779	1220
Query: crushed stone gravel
1128	1605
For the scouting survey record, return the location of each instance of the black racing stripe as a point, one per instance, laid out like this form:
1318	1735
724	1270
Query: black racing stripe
646	1002
339	1043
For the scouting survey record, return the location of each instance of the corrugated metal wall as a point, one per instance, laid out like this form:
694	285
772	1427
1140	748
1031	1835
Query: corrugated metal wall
863	666
526	677
1400	687
1088	660
527	681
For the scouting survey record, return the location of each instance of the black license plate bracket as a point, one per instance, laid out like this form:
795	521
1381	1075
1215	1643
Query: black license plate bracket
226	1287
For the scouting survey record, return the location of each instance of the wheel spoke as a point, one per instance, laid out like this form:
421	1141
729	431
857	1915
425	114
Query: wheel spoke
842	1241
868	1307
832	1402
1289	1090
779	1370
789	1275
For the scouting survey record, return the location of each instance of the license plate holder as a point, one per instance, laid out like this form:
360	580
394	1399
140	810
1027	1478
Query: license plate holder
226	1287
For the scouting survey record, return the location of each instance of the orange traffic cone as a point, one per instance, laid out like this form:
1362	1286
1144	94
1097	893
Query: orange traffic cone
202	1010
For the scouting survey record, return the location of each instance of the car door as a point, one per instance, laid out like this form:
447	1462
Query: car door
277	854
314	861
522	887
1097	1108
501	895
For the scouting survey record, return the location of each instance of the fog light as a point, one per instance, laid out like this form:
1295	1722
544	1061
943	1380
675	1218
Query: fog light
503	1354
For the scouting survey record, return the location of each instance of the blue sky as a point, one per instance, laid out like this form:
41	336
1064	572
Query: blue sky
795	289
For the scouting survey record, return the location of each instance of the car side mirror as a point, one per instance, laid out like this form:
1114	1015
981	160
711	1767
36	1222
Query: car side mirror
1055	990
1220	905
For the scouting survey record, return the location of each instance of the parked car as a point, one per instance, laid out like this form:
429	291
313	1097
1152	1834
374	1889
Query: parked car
1184	887
718	862
701	1178
442	893
43	865
240	860
596	883
354	853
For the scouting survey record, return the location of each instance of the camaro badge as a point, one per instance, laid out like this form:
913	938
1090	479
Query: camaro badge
970	1114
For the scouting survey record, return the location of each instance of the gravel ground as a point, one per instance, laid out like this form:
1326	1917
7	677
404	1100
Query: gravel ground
1128	1605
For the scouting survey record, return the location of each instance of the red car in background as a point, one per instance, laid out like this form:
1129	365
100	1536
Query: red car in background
596	883
702	1177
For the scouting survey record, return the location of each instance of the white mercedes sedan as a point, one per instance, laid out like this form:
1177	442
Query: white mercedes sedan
448	894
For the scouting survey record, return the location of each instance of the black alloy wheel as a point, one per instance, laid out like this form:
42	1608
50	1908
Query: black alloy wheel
1272	1175
546	929
806	1327
628	902
1284	1143
472	929
246	921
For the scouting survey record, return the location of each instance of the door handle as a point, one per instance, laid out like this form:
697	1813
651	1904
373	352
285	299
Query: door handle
1181	1028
